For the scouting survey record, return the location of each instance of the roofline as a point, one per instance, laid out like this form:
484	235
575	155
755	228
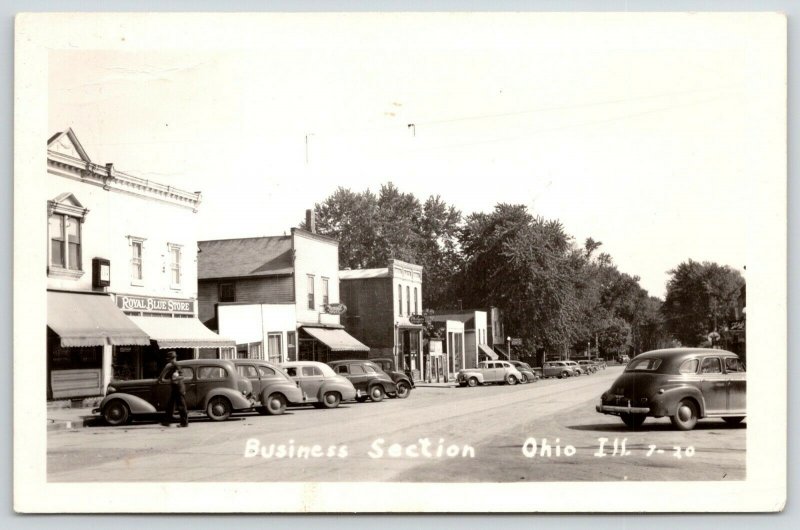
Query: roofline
232	278
242	238
314	235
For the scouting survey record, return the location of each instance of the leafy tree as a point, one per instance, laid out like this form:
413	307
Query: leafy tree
699	297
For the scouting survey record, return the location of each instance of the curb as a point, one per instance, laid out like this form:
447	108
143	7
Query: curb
65	425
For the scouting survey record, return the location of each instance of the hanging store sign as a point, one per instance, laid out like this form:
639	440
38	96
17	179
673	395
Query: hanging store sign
151	304
516	342
416	319
335	309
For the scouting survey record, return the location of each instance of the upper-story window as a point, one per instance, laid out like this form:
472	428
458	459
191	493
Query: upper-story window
408	300
66	216
310	290
416	302
227	292
137	256
325	293
400	299
175	266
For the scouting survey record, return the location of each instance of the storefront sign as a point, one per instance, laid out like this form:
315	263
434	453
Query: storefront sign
335	309
149	304
516	342
101	272
416	319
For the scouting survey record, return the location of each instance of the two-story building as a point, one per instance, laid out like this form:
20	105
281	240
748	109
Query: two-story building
277	296
384	310
121	274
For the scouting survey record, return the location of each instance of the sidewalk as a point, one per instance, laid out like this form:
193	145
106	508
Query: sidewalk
423	384
59	419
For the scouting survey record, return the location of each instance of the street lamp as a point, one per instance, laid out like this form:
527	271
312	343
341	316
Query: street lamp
508	341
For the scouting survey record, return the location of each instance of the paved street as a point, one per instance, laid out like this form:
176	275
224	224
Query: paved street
490	430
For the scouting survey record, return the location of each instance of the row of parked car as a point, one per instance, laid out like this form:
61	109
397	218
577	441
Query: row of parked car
223	387
513	372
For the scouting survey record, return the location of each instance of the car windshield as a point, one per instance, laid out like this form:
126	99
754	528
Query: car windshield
643	365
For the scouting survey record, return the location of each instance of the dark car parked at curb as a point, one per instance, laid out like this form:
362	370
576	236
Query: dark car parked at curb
528	374
368	379
319	384
684	384
401	380
272	387
212	386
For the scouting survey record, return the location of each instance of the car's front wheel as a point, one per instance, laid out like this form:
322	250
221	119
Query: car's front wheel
472	381
562	375
116	412
511	380
331	400
376	393
403	390
219	408
686	414
634	421
275	404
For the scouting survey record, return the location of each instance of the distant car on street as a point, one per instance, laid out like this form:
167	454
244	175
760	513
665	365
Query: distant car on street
272	387
558	369
212	386
588	366
576	368
367	378
403	382
320	385
528	373
684	384
489	372
600	363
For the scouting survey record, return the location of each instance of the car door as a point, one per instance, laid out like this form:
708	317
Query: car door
249	371
310	381
207	378
359	378
713	385
737	385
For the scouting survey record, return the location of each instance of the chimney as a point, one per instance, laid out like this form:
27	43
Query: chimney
311	224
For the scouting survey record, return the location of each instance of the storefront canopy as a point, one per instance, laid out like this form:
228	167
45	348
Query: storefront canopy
336	339
502	351
487	351
91	320
180	333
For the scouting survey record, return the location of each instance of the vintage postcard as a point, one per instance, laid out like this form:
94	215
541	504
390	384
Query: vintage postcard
400	262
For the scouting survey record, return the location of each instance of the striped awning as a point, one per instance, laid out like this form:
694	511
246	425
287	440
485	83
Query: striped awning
336	339
180	333
91	320
487	351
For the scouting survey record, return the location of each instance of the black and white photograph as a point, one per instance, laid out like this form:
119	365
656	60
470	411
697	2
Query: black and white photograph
400	262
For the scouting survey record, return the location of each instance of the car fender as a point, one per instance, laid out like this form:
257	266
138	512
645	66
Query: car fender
668	401
388	386
136	404
477	375
291	392
238	401
347	391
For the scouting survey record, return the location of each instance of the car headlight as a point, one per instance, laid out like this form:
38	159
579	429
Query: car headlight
110	390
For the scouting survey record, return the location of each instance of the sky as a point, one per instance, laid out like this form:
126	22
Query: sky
633	134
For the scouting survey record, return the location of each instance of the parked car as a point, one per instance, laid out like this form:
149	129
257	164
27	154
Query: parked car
320	385
367	378
576	368
623	359
528	373
272	387
600	363
558	369
403	382
588	366
212	385
684	384
489	372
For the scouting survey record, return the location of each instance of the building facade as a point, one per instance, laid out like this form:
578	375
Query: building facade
276	297
384	310
476	334
121	274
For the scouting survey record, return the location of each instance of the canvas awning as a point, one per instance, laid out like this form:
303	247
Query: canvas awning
336	339
180	333
502	351
487	351
91	320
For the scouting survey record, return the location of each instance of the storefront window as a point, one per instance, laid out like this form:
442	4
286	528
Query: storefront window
310	290
125	362
274	348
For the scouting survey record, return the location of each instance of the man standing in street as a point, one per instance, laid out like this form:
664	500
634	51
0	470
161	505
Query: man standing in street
177	395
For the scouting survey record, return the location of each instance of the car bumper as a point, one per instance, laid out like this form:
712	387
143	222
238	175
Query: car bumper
617	409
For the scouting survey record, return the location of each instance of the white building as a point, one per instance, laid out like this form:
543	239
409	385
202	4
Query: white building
121	273
277	297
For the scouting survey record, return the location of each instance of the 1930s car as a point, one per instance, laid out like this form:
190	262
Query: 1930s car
402	381
528	373
558	369
684	384
272	387
320	385
368	379
588	366
212	385
489	372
